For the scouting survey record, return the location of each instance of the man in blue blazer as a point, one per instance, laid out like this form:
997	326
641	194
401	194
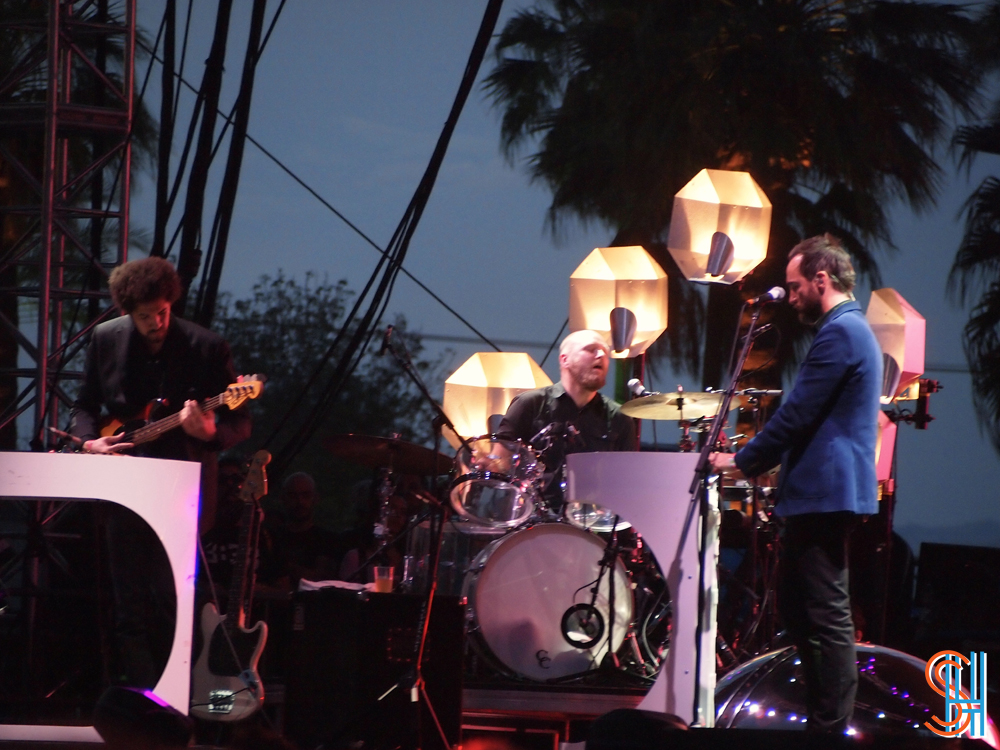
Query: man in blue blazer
823	436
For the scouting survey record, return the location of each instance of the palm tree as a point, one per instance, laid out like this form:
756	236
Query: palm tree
975	274
835	107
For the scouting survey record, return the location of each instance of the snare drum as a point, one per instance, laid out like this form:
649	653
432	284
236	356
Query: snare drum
495	481
593	517
529	602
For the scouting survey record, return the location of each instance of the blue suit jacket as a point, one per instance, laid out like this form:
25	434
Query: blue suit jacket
825	431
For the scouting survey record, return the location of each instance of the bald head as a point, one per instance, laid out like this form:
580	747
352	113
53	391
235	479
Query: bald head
583	364
579	339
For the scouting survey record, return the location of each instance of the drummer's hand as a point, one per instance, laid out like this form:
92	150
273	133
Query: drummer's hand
725	463
107	445
425	497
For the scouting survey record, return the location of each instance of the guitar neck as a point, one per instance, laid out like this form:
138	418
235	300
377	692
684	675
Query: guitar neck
241	583
157	428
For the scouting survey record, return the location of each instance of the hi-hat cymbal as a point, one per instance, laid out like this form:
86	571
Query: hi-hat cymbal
398	455
688	405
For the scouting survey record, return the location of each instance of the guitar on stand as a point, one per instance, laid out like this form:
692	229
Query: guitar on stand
225	685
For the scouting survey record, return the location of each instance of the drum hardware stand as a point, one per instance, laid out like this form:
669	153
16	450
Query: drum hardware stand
388	542
699	490
919	419
763	607
686	443
415	680
587	611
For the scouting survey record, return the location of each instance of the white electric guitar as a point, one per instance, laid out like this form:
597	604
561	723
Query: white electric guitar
225	685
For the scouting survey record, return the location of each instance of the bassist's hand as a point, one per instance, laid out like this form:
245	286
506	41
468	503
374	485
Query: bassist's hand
107	445
197	423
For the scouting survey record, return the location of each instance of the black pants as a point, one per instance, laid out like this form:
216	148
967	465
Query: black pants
815	603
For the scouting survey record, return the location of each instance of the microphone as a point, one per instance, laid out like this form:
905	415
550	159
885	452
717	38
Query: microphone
546	431
773	294
760	331
637	389
385	340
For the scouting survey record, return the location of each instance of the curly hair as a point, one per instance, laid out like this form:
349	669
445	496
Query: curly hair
825	253
140	281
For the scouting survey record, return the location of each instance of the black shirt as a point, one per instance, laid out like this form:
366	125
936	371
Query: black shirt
121	376
600	423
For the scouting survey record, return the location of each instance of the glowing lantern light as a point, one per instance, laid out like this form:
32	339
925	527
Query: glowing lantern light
719	227
484	386
621	293
901	332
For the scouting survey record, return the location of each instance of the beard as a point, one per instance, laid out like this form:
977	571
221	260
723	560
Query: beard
591	378
810	312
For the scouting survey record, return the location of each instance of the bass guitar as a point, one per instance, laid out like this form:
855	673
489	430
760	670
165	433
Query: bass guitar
142	430
225	685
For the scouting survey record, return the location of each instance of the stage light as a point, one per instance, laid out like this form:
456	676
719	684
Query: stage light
481	389
621	293
901	332
719	227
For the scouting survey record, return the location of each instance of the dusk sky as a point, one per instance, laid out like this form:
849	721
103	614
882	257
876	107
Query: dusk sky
352	97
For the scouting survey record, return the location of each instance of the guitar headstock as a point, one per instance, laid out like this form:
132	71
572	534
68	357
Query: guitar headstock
249	386
255	485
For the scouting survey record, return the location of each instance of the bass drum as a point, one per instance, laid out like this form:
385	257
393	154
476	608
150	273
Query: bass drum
529	599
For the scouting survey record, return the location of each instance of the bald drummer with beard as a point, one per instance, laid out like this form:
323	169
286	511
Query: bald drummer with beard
574	401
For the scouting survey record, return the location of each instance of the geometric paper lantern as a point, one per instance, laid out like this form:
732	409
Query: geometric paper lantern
624	284
901	332
885	447
719	227
484	386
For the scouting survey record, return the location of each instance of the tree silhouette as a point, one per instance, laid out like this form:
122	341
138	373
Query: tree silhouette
975	274
835	108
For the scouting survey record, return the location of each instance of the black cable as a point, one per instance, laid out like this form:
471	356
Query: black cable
326	204
184	49
399	243
554	342
238	116
774	355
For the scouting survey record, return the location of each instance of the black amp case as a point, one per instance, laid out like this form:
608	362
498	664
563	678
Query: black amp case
347	649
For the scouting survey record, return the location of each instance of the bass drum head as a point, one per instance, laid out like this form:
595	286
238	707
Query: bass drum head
527	588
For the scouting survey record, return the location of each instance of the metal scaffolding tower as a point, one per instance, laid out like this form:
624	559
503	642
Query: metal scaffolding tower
66	117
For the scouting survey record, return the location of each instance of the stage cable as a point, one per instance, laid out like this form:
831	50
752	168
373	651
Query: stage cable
554	342
399	245
325	203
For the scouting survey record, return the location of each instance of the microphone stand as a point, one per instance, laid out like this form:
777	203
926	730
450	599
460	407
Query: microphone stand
608	563
415	680
699	488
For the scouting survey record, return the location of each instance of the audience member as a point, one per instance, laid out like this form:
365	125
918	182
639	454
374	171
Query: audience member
305	549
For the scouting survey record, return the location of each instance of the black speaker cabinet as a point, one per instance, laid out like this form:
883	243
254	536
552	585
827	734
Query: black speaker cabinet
347	650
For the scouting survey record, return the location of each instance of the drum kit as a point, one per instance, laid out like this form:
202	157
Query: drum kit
555	591
540	583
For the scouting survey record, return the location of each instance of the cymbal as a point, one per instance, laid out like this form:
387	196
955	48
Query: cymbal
398	455
669	406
